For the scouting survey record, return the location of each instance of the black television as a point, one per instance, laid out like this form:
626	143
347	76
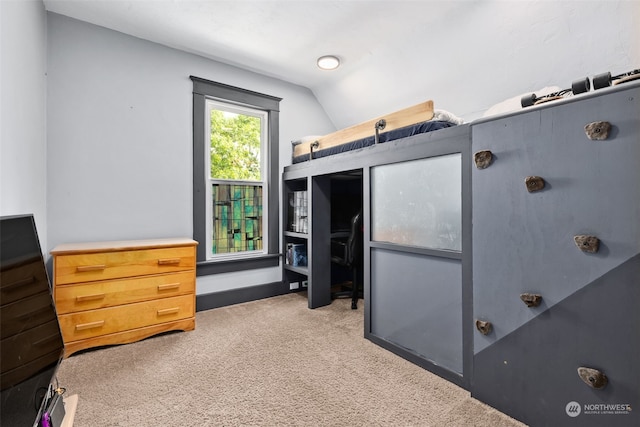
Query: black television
31	345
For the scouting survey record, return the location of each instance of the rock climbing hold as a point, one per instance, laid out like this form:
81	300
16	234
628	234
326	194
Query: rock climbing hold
597	131
483	159
587	243
593	377
483	326
532	300
534	183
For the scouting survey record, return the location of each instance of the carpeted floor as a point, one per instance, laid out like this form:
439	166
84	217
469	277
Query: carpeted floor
271	362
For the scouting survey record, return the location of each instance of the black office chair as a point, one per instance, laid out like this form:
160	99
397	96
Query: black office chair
348	253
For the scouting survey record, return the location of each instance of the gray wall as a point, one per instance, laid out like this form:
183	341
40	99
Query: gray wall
119	138
23	147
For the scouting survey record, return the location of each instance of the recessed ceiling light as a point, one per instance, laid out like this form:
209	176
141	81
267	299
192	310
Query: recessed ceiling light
328	62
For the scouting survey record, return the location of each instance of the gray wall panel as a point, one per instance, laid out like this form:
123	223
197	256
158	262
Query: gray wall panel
523	242
531	374
416	302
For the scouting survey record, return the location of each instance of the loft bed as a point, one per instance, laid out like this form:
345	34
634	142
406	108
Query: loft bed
420	118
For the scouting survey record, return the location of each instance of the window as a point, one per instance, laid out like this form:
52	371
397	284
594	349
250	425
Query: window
235	178
238	139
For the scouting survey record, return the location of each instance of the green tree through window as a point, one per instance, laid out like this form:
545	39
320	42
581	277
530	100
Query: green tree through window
235	146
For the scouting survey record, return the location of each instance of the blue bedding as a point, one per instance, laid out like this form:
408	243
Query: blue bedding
392	135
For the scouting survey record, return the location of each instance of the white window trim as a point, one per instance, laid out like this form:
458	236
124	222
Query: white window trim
213	104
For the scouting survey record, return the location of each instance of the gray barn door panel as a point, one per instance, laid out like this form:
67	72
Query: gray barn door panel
416	303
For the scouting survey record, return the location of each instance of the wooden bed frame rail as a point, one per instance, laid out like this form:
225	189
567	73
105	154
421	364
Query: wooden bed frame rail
408	116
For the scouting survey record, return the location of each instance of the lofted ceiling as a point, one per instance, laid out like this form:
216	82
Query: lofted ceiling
463	54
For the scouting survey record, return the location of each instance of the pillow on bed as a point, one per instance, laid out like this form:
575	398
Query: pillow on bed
305	139
445	116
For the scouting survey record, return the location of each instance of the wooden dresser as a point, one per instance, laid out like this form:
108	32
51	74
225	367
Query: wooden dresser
123	291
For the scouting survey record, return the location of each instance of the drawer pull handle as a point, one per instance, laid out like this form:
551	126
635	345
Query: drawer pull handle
18	284
84	298
91	325
83	268
45	340
166	311
168	286
169	261
34	312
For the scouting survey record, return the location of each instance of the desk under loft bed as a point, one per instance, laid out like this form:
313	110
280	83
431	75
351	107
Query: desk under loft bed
415	174
431	280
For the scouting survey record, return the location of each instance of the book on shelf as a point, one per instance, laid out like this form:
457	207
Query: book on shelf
296	254
298	217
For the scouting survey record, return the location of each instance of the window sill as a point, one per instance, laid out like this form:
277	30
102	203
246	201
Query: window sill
205	268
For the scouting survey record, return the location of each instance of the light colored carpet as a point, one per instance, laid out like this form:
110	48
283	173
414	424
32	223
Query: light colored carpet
271	362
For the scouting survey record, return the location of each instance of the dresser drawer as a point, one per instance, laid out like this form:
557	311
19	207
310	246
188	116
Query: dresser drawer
29	345
25	370
21	280
93	323
112	265
25	314
101	294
